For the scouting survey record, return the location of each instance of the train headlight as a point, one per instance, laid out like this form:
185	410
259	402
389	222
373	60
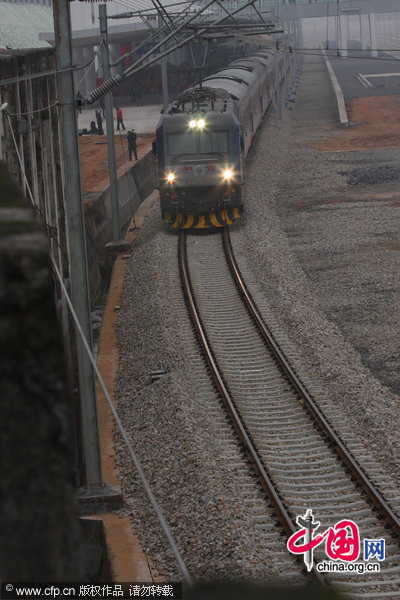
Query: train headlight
228	174
171	177
197	123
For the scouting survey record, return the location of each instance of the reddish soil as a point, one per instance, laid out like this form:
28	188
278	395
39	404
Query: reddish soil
376	125
93	157
127	557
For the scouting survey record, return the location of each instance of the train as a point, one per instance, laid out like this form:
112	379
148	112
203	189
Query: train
203	137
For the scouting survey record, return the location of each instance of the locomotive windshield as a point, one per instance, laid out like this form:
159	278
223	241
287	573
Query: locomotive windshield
213	141
182	143
203	142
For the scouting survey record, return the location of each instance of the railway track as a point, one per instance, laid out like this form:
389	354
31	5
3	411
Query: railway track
300	460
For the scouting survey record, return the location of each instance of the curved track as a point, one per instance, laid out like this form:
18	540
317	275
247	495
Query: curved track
300	460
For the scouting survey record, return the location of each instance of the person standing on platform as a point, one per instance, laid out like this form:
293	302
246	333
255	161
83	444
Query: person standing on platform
133	93
102	106
120	118
99	120
132	144
79	99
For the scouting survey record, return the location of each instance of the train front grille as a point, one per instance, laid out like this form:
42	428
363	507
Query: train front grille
213	220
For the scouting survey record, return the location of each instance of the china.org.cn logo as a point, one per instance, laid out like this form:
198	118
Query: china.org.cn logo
342	546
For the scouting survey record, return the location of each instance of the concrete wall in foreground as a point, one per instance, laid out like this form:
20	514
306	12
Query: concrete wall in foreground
134	186
39	529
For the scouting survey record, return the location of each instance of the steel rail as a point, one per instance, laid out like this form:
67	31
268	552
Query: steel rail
369	488
264	478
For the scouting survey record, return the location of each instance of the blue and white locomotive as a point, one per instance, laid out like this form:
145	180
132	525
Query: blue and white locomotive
203	138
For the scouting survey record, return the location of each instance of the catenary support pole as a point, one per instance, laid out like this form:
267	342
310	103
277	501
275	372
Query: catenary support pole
164	74
117	244
77	240
277	82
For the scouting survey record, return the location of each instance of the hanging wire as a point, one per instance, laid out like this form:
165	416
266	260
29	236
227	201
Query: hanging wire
36	207
309	52
90	63
31	112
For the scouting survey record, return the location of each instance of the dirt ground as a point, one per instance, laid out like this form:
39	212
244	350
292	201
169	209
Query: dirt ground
375	124
93	158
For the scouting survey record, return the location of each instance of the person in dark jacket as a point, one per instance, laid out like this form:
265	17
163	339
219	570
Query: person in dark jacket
132	144
79	99
99	120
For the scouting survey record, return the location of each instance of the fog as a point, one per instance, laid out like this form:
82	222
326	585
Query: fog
385	32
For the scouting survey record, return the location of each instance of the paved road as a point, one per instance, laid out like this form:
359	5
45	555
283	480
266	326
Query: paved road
355	74
339	200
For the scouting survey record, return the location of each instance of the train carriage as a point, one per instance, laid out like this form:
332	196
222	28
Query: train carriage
203	138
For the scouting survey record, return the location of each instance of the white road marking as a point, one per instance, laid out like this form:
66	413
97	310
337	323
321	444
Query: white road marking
365	80
362	81
383	75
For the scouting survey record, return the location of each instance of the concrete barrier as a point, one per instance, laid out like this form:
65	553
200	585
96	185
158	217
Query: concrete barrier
39	529
133	187
344	120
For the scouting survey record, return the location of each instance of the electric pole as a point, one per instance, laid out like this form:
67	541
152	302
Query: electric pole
164	74
78	268
117	244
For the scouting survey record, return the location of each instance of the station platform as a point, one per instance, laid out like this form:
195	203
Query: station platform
143	119
94	150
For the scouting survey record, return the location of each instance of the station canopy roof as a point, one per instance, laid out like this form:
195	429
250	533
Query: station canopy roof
20	25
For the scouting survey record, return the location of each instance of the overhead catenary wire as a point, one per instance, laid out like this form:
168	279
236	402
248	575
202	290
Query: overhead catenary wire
114	80
143	7
133	67
163	522
146	60
308	52
157	32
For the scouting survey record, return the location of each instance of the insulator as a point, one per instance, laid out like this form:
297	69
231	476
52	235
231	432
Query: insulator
104	88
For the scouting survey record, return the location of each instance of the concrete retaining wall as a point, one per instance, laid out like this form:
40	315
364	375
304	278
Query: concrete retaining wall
134	186
39	530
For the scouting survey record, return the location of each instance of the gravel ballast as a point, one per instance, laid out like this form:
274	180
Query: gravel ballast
176	425
169	420
289	253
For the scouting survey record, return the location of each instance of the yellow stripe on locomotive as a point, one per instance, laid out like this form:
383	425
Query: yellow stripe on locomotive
213	220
